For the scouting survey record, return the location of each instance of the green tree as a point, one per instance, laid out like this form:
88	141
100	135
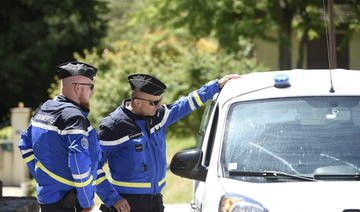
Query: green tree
183	63
121	20
232	20
35	36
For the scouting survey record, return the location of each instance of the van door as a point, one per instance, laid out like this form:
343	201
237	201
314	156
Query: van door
205	142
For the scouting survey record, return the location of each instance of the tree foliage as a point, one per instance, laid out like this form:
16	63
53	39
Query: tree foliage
231	20
121	20
184	64
35	36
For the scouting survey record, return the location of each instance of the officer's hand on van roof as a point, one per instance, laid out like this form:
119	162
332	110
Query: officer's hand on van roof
226	78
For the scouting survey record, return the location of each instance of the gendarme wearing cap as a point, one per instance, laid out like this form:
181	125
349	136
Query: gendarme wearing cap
147	84
74	68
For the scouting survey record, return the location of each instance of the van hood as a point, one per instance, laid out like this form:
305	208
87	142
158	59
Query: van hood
320	196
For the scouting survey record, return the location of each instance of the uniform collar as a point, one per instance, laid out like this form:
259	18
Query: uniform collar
129	113
62	98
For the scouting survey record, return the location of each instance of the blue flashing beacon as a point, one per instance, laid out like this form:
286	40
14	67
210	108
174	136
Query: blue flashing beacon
281	81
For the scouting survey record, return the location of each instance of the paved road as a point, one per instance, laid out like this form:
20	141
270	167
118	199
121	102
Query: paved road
177	208
168	208
16	192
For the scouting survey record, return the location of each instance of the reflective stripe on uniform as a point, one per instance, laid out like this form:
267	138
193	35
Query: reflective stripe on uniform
99	171
191	103
161	182
163	121
135	185
115	142
100	180
30	158
197	98
61	132
132	185
62	180
23	152
81	176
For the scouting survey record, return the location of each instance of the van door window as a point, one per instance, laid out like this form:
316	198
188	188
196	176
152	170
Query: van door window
204	122
211	137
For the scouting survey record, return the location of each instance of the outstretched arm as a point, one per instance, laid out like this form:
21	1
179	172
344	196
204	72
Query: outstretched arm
194	100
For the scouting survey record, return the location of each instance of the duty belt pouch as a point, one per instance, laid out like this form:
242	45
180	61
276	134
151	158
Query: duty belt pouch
69	200
103	208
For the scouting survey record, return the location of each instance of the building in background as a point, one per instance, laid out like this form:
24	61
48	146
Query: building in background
13	171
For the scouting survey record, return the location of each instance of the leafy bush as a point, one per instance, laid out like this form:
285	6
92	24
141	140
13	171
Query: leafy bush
184	64
6	132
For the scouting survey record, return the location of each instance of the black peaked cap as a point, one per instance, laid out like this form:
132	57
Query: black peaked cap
74	68
147	84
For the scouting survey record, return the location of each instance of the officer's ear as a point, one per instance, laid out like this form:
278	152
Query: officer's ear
136	102
76	88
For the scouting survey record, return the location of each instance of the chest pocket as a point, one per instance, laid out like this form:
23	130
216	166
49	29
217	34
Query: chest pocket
139	152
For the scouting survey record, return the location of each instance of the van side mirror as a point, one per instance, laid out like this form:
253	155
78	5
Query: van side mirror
187	163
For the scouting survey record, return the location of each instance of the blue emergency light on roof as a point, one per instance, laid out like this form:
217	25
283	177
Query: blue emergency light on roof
281	81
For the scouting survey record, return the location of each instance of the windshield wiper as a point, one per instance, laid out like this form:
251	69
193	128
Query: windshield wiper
355	176
272	174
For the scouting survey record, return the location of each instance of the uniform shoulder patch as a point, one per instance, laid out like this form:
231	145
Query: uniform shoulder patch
84	143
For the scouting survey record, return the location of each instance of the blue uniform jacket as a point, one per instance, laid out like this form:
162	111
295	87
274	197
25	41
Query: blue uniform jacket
135	147
62	151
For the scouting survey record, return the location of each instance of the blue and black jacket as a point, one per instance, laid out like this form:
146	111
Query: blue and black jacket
62	151
135	147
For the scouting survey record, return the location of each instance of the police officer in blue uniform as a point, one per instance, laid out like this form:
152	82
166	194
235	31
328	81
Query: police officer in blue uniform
133	140
60	147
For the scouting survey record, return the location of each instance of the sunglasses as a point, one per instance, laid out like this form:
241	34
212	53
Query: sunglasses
153	103
88	84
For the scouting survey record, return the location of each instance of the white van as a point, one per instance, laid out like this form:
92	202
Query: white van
284	141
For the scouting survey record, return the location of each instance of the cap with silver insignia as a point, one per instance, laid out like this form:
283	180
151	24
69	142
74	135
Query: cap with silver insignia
147	84
69	69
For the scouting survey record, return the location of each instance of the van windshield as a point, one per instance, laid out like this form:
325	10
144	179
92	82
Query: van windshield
305	136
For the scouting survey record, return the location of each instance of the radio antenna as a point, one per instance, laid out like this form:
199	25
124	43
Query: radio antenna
330	40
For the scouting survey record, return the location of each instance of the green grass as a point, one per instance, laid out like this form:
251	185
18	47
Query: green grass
178	189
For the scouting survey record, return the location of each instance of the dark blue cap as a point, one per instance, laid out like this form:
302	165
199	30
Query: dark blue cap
74	68
147	84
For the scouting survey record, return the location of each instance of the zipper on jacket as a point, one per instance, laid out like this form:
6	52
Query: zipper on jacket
142	126
156	166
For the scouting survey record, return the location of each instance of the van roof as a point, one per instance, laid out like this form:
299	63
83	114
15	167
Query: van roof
316	82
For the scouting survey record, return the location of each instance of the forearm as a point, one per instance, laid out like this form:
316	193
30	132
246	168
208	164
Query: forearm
105	190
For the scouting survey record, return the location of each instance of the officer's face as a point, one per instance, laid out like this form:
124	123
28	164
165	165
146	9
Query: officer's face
148	104
86	91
